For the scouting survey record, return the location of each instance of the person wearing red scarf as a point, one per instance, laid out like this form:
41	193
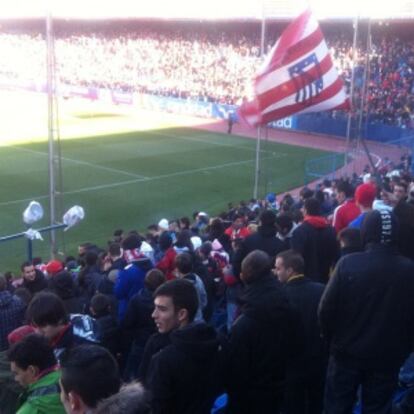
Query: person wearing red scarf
316	241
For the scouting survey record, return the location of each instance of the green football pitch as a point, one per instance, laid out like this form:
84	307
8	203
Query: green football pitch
130	179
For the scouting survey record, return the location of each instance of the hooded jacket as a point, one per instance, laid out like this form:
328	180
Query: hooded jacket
186	376
130	281
43	396
11	316
367	309
316	241
263	338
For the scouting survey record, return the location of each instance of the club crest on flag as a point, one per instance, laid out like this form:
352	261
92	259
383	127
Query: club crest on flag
298	76
306	83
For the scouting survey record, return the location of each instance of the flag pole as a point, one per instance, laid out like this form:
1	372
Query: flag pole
259	129
351	97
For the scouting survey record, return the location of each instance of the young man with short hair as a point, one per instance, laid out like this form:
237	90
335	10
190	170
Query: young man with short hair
33	279
46	312
186	376
89	375
306	373
184	269
35	368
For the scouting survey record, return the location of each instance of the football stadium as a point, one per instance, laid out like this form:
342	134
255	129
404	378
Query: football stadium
207	208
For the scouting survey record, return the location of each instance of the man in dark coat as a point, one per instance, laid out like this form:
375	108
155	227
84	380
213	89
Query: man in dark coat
367	315
316	241
264	239
186	376
306	373
262	340
33	279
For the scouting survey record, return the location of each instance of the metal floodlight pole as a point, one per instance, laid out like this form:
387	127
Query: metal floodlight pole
259	129
50	55
354	54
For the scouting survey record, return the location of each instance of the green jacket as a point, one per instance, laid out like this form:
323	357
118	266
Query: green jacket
43	396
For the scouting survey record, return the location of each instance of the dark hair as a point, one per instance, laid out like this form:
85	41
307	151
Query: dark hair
268	218
185	221
346	188
293	260
165	240
306	193
206	248
132	241
114	249
350	237
153	279
183	295
91	258
25	264
184	239
46	309
184	263
23	294
284	221
216	228
33	349
101	305
312	207
401	184
118	232
255	265
3	283
90	371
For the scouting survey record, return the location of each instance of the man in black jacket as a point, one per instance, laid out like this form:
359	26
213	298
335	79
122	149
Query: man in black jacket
306	373
262	340
264	239
33	279
186	376
367	315
316	241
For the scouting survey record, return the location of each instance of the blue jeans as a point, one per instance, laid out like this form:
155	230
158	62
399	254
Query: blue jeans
342	384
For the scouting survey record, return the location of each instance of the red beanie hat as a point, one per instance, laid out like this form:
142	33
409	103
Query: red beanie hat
365	194
53	267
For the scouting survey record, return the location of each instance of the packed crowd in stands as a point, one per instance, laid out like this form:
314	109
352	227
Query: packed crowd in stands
290	305
204	65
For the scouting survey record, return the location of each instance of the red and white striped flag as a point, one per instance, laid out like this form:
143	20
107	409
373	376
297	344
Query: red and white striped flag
298	76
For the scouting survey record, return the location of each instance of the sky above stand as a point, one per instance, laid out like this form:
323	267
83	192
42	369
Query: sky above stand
211	9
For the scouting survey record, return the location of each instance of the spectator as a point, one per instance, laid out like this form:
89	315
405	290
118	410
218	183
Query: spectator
185	376
347	210
47	313
11	313
33	279
262	340
316	241
184	267
366	350
35	368
108	331
364	198
138	322
89	375
265	239
307	372
131	279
